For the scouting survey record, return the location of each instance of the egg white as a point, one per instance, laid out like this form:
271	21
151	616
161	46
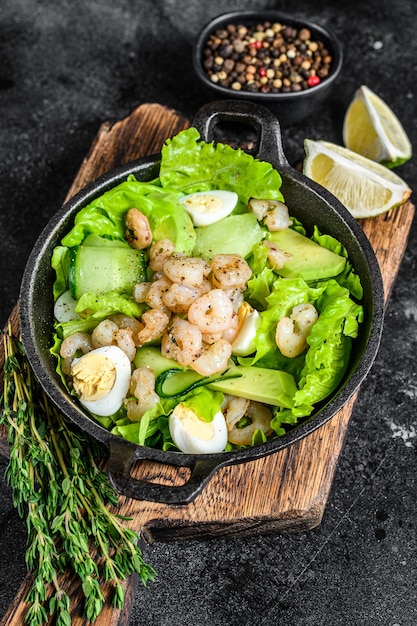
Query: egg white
64	308
207	207
194	436
244	342
113	400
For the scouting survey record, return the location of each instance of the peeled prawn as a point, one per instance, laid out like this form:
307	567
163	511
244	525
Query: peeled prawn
103	334
155	323
124	340
186	270
213	359
272	212
182	342
142	387
234	408
140	292
260	416
125	321
212	312
230	271
137	229
159	252
108	333
292	332
277	257
75	342
156	291
277	218
230	333
236	297
179	297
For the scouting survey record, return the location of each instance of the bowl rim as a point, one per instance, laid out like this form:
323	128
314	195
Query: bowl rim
268	15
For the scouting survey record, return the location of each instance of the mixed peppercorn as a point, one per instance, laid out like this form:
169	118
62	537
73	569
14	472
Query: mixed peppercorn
266	58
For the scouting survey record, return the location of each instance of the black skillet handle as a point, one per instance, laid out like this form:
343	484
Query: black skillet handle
123	455
261	119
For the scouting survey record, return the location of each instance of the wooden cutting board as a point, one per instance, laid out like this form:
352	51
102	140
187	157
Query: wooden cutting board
284	492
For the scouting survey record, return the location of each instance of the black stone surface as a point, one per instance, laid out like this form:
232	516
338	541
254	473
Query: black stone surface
65	67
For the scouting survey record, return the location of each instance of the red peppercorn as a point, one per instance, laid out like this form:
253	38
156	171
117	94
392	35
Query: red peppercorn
313	80
262	71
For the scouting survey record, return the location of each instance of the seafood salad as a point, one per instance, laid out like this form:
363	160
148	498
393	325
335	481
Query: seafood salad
193	312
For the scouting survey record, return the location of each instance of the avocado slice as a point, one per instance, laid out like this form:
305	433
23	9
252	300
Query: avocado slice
310	261
260	384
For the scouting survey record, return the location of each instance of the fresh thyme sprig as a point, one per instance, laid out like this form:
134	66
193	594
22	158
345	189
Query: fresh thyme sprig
65	496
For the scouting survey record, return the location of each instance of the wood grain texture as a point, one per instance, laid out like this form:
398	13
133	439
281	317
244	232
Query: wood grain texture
284	492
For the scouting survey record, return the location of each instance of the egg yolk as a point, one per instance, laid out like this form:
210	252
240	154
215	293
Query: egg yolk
193	424
93	376
203	203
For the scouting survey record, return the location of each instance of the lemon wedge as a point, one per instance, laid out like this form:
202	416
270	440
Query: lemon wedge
364	187
372	129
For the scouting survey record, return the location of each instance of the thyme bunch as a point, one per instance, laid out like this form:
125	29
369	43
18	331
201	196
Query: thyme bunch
59	487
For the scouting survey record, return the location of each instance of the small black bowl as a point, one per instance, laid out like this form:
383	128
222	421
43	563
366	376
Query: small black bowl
289	107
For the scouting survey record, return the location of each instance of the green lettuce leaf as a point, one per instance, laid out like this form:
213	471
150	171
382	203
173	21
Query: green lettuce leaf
348	278
104	216
105	304
204	402
191	165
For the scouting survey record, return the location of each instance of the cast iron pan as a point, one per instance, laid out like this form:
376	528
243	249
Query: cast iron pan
307	201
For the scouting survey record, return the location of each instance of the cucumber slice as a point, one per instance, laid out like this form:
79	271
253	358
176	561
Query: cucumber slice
98	242
174	383
149	356
95	269
237	233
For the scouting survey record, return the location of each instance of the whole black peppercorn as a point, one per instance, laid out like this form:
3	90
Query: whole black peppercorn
266	57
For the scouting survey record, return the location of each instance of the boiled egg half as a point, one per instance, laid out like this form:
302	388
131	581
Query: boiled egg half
249	321
101	379
207	207
193	435
64	308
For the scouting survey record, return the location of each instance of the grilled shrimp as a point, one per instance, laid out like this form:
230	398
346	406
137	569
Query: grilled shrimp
156	291
75	342
159	252
108	333
142	387
214	358
260	416
212	312
273	213
277	257
138	232
230	271
140	291
156	322
234	408
124	340
179	297
292	332
182	342
277	218
186	270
